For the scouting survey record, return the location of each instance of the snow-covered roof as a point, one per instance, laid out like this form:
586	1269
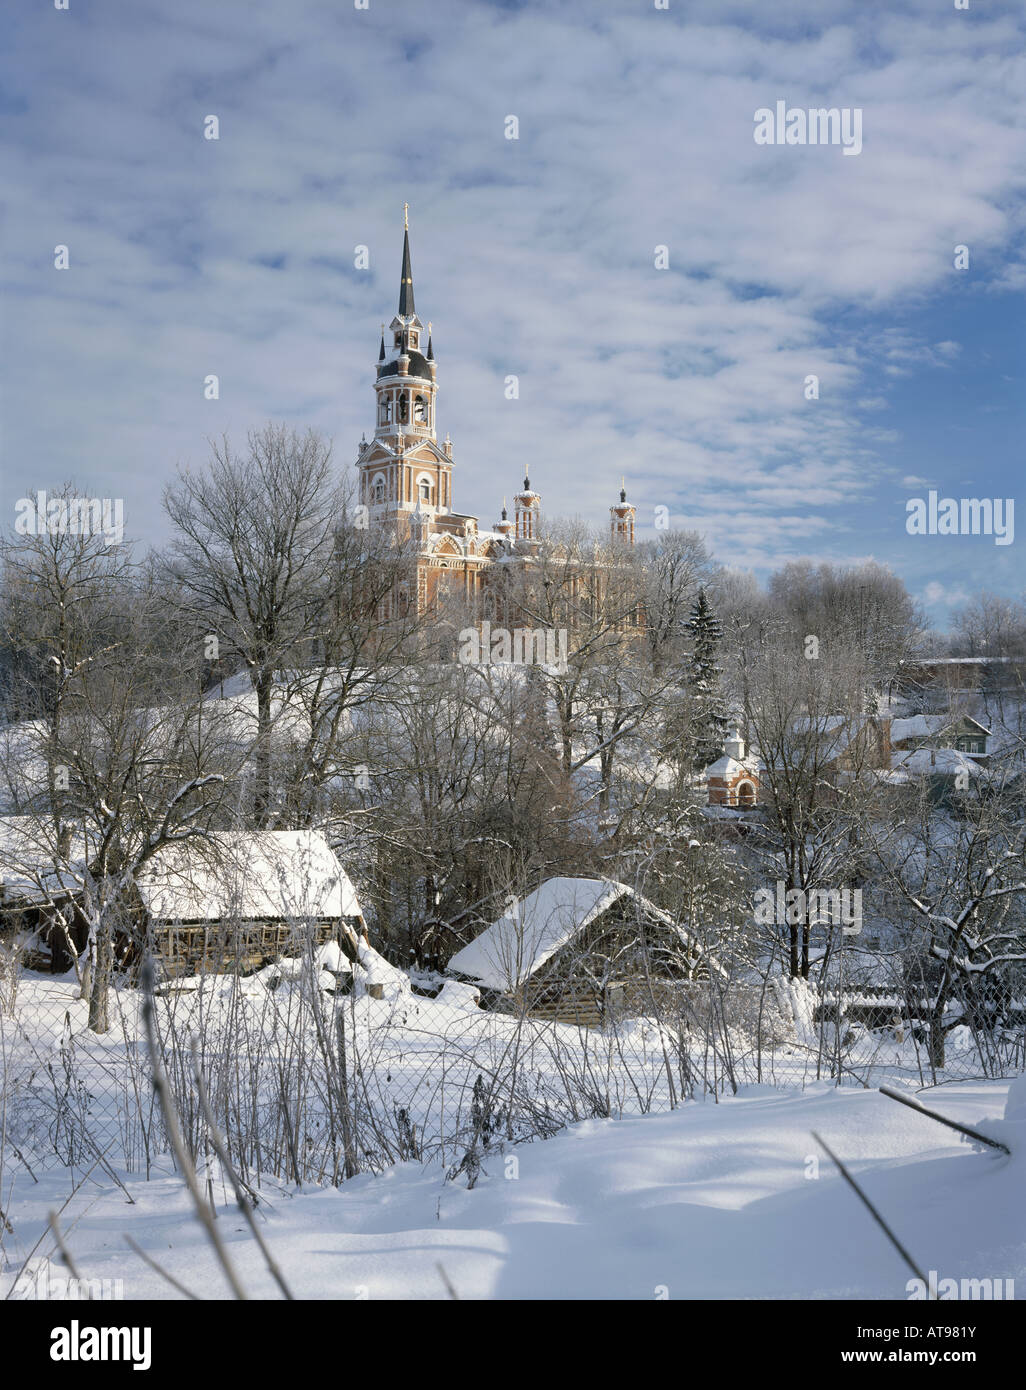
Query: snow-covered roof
929	725
30	866
937	761
533	929
728	768
832	734
288	874
956	661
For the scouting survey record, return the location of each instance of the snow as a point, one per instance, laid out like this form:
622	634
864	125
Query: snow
289	874
510	950
940	761
728	768
28	867
928	725
727	1200
459	996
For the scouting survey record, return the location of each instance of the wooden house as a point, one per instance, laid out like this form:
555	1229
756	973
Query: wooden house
238	899
579	950
941	677
954	730
40	889
224	901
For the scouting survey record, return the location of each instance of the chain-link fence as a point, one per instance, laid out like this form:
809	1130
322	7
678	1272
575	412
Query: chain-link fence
317	1068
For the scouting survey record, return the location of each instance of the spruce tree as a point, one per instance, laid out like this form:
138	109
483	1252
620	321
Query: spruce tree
709	717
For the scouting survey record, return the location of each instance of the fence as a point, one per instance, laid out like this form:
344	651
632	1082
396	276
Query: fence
317	1071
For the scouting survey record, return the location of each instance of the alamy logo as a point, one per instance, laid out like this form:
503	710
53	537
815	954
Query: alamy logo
810	907
51	1288
965	516
71	516
525	646
998	1290
78	1343
819	125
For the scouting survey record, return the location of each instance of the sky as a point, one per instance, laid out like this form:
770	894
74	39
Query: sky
535	257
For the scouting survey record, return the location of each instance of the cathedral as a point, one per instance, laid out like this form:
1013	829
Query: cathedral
406	476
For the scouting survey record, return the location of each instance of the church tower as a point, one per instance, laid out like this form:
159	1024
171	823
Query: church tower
402	469
621	518
526	504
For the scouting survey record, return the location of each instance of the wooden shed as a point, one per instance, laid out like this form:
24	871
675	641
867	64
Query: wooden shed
231	899
40	886
239	899
580	950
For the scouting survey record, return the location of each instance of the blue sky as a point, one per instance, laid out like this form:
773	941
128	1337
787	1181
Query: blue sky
534	257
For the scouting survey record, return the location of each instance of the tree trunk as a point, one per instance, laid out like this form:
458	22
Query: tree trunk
936	1040
99	994
262	770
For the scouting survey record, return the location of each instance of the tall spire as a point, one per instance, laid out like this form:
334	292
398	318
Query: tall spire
406	309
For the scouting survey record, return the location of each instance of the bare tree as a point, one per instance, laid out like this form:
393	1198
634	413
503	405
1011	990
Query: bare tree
252	561
961	871
110	775
817	752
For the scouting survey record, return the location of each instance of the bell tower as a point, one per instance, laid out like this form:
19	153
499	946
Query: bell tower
402	468
621	518
527	503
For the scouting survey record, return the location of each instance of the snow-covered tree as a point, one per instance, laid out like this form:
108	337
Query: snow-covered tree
708	714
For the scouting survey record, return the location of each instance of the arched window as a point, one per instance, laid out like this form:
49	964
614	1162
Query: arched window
746	794
424	487
378	488
403	408
420	411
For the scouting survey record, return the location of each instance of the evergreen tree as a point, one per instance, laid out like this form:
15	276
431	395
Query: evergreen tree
709	716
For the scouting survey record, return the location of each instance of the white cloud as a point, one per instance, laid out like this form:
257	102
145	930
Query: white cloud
533	257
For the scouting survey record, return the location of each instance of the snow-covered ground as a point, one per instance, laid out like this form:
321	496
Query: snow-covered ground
713	1200
724	1196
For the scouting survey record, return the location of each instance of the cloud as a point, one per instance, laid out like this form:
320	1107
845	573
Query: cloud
534	257
937	593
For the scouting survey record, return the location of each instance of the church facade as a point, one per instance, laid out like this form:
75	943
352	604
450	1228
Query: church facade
406	476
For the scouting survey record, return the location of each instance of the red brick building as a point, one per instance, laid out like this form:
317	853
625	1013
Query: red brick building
406	476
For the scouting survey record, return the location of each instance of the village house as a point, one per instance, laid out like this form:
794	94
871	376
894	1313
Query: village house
40	888
936	680
957	731
231	899
238	899
579	950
